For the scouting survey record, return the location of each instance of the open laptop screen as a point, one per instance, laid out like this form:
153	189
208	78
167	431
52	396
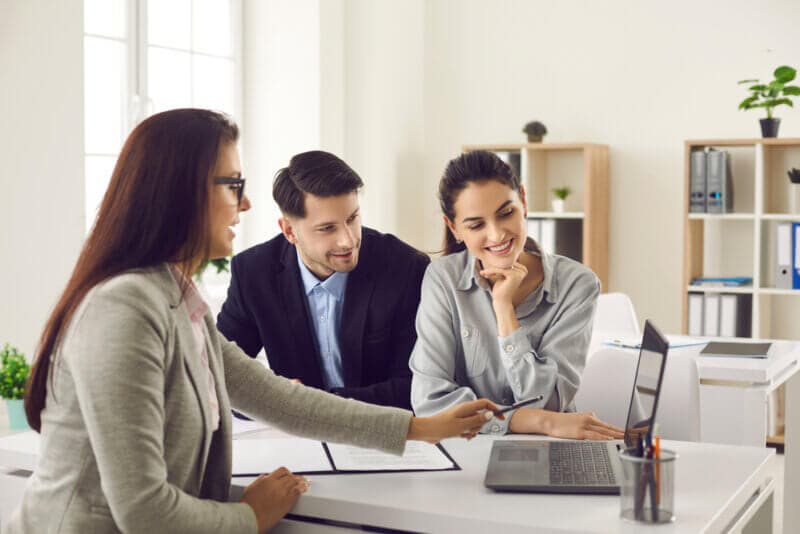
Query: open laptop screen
647	384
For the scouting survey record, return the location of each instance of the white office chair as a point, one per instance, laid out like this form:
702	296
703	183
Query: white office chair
607	383
614	318
615	314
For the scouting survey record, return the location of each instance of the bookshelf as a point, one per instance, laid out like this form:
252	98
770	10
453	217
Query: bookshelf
582	229
743	241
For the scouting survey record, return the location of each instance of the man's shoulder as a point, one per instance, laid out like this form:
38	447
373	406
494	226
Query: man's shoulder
269	252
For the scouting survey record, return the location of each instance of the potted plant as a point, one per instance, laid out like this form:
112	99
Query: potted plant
14	371
560	194
535	131
220	264
768	96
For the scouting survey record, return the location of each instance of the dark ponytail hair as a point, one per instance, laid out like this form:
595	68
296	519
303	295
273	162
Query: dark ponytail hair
155	210
475	166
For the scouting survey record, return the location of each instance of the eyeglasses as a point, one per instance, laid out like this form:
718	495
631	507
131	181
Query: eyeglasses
234	184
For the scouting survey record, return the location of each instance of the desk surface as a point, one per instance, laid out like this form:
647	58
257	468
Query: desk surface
713	482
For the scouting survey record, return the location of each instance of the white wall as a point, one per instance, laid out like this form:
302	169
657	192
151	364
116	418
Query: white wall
384	103
638	76
41	147
293	95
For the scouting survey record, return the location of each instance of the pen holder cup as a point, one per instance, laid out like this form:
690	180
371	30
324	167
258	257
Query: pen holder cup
647	491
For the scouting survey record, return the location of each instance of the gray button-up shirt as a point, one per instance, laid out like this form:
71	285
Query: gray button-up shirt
459	356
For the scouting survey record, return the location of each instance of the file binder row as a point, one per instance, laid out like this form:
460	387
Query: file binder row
720	314
787	247
558	236
711	183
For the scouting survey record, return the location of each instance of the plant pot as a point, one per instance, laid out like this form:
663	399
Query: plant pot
558	205
16	414
769	127
534	138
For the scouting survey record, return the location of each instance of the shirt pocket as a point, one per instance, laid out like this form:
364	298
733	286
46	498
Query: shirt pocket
474	351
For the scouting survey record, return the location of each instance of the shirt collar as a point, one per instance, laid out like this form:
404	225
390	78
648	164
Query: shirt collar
195	304
334	284
471	275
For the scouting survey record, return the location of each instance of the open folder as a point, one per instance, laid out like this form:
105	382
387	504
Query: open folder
253	456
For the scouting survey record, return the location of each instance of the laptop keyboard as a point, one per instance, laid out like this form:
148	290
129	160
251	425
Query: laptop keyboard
580	463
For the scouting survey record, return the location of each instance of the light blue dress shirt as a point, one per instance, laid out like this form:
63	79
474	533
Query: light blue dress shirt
325	303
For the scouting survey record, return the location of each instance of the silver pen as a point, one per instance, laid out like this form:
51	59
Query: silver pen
519	404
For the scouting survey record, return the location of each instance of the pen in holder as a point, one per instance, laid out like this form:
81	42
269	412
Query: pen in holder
648	486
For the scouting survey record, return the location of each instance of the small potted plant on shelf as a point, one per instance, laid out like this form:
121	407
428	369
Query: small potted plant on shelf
14	371
560	194
770	95
535	131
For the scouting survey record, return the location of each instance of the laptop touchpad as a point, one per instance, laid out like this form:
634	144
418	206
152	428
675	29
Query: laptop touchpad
519	455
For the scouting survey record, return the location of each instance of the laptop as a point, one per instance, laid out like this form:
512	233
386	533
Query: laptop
583	466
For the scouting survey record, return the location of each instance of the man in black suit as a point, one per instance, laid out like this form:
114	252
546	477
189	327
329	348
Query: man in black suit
333	304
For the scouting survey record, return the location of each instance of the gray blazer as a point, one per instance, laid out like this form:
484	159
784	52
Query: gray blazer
127	444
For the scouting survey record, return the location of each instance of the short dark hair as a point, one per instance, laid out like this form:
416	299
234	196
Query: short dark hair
475	166
317	173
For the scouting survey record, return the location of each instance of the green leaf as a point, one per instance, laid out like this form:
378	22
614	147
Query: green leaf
747	102
785	74
747	81
773	102
793	90
775	86
760	87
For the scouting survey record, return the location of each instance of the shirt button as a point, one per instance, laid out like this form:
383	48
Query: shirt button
496	429
509	348
321	317
465	332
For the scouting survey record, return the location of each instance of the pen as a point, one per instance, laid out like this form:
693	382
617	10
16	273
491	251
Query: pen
519	404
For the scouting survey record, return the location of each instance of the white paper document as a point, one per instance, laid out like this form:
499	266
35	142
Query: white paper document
257	456
418	455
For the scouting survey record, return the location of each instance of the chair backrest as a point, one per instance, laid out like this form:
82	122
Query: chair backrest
615	315
607	383
614	318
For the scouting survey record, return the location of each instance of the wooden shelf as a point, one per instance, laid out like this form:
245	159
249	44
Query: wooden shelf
776	440
743	243
744	290
722	216
554	215
789	217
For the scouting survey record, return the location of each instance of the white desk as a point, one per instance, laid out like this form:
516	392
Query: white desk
734	393
718	488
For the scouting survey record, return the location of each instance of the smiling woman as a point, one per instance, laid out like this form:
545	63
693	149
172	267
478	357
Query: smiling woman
498	317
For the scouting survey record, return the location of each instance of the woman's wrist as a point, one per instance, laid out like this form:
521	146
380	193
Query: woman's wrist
506	318
531	421
417	428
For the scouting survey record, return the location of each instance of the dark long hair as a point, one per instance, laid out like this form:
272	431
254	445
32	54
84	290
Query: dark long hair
475	166
155	210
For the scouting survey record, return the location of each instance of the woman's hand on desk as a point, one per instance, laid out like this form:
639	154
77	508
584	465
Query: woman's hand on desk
272	496
580	425
462	420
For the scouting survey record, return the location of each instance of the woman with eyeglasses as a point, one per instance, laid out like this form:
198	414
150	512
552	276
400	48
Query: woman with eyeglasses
132	386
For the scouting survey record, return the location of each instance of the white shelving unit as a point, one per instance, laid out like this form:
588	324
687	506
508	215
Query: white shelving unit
742	243
583	228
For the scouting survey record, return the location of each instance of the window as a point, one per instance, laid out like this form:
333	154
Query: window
146	56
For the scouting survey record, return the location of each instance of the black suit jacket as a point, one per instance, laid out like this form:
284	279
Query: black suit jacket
266	307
